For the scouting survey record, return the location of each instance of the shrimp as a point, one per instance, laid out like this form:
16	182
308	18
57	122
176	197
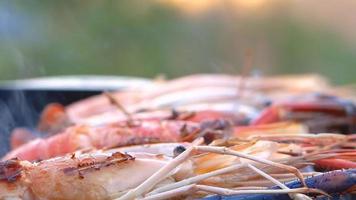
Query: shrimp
114	135
80	137
344	180
180	94
321	113
93	176
20	136
194	115
326	151
53	119
155	101
214	167
116	175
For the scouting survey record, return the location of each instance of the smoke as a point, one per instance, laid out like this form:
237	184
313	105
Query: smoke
16	110
7	123
25	113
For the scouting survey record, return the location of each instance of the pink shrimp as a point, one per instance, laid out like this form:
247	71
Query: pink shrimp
111	174
111	135
321	113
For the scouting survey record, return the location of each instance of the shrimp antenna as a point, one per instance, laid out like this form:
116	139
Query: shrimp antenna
246	68
147	185
114	101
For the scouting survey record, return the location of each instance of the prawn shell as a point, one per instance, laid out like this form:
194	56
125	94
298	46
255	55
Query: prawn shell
97	176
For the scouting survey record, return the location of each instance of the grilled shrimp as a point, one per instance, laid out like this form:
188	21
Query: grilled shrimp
89	176
180	93
113	174
153	101
80	137
321	113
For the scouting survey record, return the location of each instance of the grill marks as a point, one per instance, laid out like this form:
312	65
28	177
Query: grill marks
86	165
10	170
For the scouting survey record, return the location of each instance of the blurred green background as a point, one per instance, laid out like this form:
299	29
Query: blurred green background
177	37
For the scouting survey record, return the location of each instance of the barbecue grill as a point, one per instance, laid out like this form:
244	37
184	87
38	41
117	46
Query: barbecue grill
21	101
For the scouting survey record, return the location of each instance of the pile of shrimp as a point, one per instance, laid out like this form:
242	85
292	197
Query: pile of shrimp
195	137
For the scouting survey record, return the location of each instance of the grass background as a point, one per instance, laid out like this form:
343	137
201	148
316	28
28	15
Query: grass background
148	38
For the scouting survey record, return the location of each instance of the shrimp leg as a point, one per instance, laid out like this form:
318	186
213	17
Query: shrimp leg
297	196
174	190
186	190
334	182
161	174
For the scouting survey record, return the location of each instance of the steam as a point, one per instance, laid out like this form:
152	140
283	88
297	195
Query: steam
7	123
25	113
15	111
